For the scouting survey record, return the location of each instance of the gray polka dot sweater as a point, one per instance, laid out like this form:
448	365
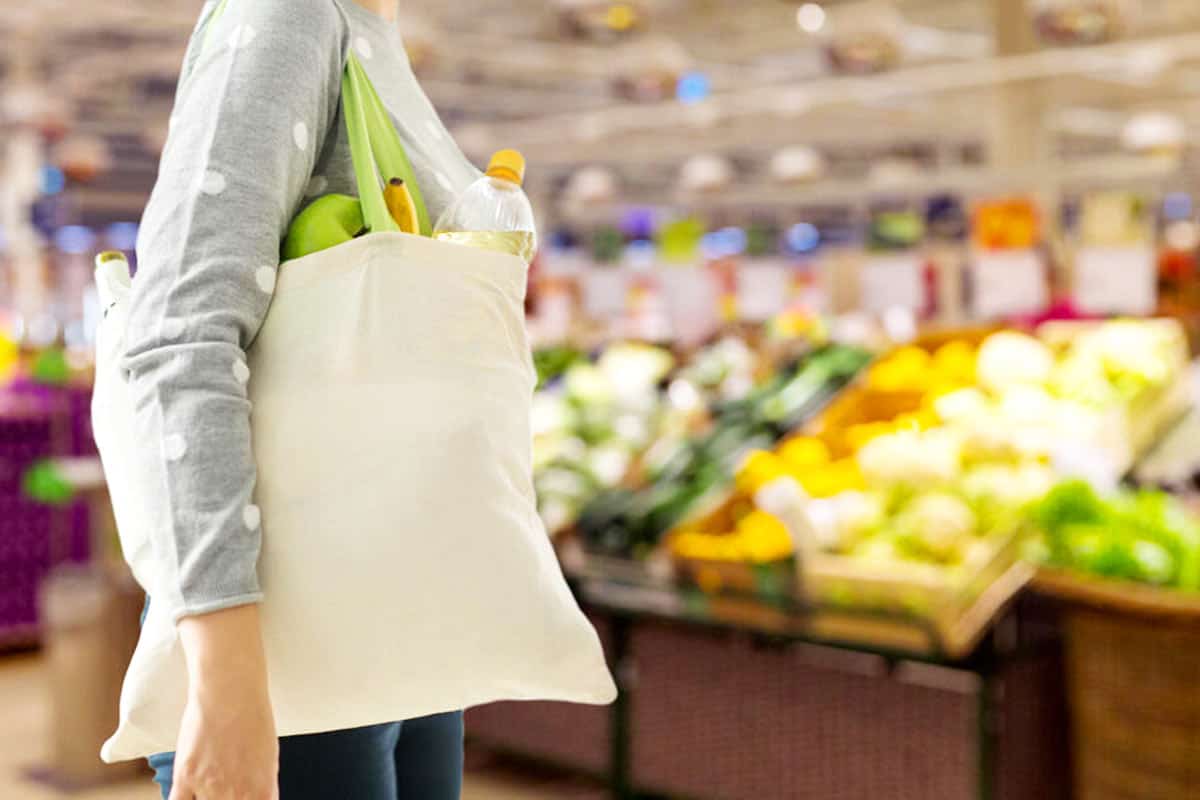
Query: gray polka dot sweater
257	131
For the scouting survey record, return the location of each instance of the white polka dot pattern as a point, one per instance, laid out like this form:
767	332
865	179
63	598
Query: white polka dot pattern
265	278
174	447
252	517
249	135
213	183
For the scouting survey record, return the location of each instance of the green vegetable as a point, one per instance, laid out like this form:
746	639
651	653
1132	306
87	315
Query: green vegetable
43	483
1142	536
551	362
51	368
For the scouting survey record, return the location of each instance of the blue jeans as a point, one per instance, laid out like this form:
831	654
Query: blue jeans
419	759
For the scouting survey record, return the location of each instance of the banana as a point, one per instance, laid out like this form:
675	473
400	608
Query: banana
400	205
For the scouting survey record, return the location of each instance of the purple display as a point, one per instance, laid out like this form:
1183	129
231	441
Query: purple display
37	422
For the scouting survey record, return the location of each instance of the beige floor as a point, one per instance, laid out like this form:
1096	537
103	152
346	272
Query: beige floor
23	714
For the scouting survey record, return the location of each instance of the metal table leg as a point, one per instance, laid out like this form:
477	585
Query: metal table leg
625	677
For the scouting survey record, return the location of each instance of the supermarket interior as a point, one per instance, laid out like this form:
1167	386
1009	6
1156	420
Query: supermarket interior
867	422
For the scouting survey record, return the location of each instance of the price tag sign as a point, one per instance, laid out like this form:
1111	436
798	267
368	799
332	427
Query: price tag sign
763	288
691	298
604	292
1116	280
1008	283
891	281
564	264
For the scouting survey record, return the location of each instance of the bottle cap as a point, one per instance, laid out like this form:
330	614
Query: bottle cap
507	165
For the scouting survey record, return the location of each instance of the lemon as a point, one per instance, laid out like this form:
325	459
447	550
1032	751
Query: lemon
804	451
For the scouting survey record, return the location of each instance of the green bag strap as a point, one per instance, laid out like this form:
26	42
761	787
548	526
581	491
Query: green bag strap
375	146
387	150
370	193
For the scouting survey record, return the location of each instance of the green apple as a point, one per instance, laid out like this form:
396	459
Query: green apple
327	221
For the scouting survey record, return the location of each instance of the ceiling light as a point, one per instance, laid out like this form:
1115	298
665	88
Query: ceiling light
592	185
797	165
1154	131
621	17
810	17
706	173
693	86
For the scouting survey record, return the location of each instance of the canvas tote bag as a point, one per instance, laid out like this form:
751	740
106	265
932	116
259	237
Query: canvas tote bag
405	568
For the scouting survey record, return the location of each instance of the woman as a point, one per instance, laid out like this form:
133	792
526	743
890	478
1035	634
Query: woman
256	131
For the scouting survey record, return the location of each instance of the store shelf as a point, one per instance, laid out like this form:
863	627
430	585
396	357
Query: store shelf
632	589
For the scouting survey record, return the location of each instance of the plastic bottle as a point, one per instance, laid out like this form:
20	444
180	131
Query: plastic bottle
113	280
493	212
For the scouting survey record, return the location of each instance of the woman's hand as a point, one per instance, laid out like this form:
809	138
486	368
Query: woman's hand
227	747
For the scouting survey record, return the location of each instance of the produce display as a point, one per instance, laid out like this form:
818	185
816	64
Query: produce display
918	486
1146	536
684	473
592	419
927	472
551	362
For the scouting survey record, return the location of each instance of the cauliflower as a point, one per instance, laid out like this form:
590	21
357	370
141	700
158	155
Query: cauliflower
608	463
1080	378
935	526
1133	353
961	404
1008	358
550	414
586	384
633	371
843	521
858	513
1026	404
919	458
988	437
1011	486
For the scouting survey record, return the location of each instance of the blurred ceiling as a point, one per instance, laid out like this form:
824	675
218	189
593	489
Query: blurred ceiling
534	74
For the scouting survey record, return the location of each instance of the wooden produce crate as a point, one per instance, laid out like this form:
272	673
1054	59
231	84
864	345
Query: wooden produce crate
957	610
1131	431
1133	665
858	405
905	605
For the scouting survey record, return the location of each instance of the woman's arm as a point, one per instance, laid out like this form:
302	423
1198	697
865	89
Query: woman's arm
227	744
249	122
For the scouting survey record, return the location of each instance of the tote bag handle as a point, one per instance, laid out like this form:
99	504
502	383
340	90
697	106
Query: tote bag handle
375	147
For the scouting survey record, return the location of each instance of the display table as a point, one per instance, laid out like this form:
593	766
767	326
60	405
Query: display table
738	698
36	424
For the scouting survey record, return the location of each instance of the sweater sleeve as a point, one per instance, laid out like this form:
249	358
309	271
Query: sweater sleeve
250	119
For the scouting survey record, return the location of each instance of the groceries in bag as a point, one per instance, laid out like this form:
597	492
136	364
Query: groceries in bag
112	278
332	219
493	212
401	207
326	222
